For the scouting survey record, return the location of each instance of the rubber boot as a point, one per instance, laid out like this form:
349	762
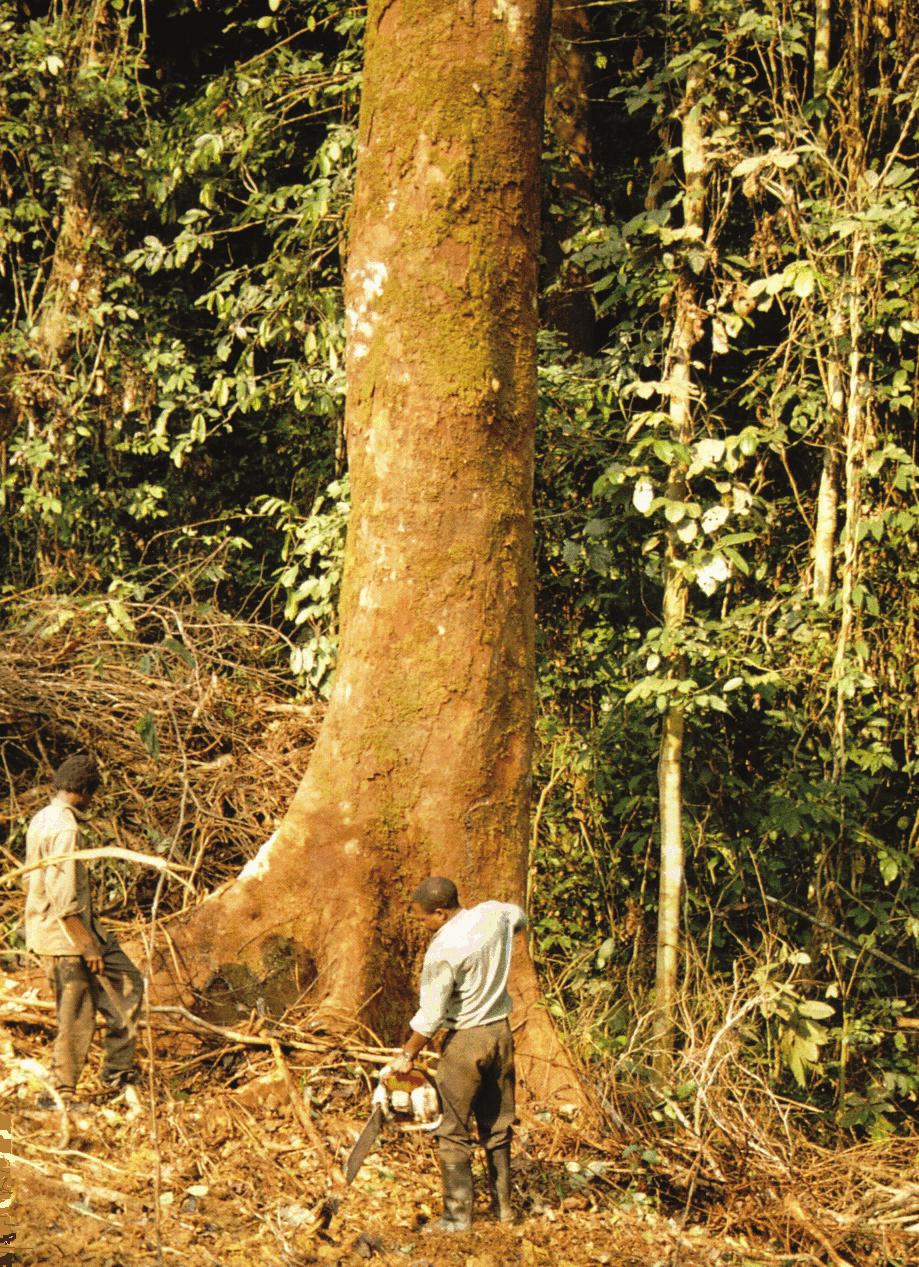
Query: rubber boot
456	1177
499	1181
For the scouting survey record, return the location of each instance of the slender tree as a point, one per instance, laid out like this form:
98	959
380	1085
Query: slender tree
423	761
678	376
828	491
50	375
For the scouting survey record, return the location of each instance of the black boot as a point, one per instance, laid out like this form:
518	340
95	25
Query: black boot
457	1181
499	1181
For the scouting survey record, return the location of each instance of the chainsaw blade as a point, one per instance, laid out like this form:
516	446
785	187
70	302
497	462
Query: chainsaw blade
364	1144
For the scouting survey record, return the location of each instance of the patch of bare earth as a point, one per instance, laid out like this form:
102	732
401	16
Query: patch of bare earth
233	1155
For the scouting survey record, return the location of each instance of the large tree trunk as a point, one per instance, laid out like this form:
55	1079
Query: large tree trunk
423	762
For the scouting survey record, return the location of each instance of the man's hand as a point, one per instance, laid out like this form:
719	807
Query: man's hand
90	952
406	1057
85	943
92	957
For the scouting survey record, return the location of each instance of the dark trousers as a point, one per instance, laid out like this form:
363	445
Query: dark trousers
78	995
475	1079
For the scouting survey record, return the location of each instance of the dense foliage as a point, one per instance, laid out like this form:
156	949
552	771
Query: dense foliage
176	184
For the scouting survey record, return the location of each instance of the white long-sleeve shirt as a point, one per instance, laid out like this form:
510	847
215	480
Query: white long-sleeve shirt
56	891
465	969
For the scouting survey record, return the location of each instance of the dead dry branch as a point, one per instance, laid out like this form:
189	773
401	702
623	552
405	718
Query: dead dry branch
192	717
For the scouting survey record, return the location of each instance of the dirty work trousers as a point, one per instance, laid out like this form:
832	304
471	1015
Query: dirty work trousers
78	995
475	1079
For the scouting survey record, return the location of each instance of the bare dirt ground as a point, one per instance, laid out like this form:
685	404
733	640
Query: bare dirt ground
233	1157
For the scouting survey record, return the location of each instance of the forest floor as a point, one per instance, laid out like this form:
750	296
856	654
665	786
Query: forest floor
233	1153
217	1163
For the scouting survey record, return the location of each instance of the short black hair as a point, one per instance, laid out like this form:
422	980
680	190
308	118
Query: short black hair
436	893
79	773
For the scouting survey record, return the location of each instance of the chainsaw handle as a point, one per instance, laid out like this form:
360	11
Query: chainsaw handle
408	1083
423	1126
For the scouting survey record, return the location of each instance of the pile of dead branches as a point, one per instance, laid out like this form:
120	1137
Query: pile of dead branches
190	714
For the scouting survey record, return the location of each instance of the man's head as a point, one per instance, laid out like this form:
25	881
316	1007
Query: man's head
77	777
435	901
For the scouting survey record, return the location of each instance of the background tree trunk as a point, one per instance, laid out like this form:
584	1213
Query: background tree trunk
828	491
687	331
423	762
568	307
39	396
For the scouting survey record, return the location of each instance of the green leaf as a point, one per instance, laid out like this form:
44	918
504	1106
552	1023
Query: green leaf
793	1060
146	728
804	283
815	1010
717	703
177	648
889	866
752	163
737	559
783	159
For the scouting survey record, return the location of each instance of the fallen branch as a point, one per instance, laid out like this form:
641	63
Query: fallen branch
107	851
301	1112
807	1221
373	1055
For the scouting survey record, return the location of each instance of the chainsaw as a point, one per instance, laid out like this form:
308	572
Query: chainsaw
408	1100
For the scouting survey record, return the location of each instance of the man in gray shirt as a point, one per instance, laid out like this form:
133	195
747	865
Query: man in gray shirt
464	990
74	952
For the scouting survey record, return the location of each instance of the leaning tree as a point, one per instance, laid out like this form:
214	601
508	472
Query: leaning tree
423	761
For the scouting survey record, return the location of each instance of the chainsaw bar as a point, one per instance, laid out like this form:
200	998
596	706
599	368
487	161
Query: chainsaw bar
364	1143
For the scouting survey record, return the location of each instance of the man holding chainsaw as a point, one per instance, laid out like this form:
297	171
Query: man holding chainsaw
464	991
87	970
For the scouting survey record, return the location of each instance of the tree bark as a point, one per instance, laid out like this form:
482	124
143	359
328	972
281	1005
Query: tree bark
423	762
824	546
855	442
825	528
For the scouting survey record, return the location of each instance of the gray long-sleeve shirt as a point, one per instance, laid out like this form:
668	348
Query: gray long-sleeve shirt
59	890
465	969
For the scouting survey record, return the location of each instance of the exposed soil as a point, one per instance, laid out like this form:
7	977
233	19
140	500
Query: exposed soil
233	1157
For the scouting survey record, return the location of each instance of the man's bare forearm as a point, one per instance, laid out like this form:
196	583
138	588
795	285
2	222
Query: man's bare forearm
84	941
411	1048
415	1044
